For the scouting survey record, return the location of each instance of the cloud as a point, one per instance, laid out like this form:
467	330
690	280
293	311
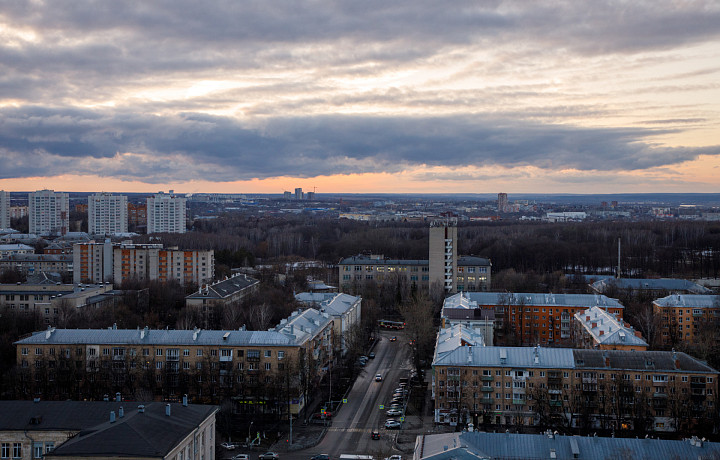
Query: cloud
43	141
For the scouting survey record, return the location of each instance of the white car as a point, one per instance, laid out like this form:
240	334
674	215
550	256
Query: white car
392	424
394	412
378	377
241	457
228	446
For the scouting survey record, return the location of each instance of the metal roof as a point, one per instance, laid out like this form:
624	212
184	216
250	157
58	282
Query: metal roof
330	302
474	299
689	301
451	338
464	261
480	445
607	328
520	357
669	284
162	337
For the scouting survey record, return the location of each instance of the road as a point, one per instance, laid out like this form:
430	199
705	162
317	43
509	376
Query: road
350	430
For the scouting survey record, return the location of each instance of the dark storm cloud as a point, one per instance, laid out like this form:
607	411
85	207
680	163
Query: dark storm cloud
42	141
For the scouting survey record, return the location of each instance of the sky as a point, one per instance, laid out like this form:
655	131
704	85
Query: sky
407	96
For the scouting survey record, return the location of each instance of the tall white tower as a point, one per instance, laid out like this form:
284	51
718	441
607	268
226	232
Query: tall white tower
107	214
443	253
48	212
4	209
166	213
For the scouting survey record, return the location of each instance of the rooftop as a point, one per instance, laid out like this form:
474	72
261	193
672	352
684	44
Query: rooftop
330	302
510	446
380	260
225	288
606	329
475	299
667	284
690	301
451	338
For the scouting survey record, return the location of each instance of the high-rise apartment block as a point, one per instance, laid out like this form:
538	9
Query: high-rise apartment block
107	214
298	194
502	201
443	254
48	212
93	262
151	261
4	209
166	213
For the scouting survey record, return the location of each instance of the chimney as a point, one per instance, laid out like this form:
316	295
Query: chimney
587	318
112	416
594	325
106	398
121	412
185	400
167	410
118	397
602	332
141	409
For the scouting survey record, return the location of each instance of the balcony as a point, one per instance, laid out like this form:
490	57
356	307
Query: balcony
660	395
486	378
486	389
554	392
518	402
486	400
555	403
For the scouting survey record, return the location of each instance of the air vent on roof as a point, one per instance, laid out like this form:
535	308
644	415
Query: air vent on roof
226	335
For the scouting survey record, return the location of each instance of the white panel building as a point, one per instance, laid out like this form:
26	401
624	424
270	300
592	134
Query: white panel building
107	214
4	209
166	213
48	212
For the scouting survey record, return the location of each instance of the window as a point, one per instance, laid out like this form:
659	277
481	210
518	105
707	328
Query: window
37	450
24	351
38	351
49	447
186	365
198	366
268	353
158	352
241	366
5	450
268	366
17	450
186	352
198	353
281	354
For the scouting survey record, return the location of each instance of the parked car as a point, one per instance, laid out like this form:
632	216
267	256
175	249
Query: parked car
392	424
397	401
374	435
395	406
320	457
364	358
394	412
228	446
241	457
394	457
371	355
268	456
378	377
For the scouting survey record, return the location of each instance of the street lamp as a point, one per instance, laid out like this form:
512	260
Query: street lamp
249	427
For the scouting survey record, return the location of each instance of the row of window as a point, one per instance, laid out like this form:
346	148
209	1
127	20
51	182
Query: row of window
39	449
584	375
170	352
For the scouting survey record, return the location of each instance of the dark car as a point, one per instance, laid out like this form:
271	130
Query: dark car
320	457
371	355
374	435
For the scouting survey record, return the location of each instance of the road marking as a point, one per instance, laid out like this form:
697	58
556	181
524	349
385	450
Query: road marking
351	430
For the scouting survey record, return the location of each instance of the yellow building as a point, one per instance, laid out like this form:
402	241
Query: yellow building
688	319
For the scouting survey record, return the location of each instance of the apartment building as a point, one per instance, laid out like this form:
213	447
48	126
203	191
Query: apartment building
460	310
225	292
15	248
345	309
47	300
688	319
107	214
93	262
596	328
560	387
137	215
36	263
166	213
95	429
256	368
152	262
4	209
48	212
444	269
655	285
529	318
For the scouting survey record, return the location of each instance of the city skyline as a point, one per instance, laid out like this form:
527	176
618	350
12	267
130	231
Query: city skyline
408	97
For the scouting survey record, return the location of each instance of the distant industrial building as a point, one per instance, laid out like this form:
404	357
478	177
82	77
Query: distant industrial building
49	212
107	214
166	213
